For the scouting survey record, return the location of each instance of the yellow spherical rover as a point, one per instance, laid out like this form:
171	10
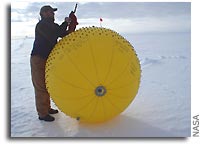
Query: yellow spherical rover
93	74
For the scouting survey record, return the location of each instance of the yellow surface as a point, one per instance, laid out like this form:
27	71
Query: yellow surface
93	74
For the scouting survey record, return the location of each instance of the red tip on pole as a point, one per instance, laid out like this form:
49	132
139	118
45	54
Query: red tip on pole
101	20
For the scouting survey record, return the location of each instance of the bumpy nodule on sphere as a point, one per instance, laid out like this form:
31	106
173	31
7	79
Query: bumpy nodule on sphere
93	74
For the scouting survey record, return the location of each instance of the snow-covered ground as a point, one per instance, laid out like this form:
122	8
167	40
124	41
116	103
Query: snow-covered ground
162	107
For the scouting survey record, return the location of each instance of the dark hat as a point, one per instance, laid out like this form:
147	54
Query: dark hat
47	8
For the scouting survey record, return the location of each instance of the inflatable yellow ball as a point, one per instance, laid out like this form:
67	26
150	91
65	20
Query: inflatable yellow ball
93	74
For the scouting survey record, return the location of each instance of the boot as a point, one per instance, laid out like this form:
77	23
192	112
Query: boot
47	118
52	111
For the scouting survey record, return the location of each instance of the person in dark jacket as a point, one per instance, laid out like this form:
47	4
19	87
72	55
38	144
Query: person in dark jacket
46	34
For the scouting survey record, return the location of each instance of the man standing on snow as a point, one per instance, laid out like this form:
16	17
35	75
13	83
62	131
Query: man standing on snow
46	34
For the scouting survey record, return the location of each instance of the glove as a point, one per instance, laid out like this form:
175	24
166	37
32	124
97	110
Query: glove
73	18
68	20
73	23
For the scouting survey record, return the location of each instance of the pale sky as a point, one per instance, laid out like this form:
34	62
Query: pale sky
123	17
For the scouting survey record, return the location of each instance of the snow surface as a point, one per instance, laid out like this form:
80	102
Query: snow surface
162	107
